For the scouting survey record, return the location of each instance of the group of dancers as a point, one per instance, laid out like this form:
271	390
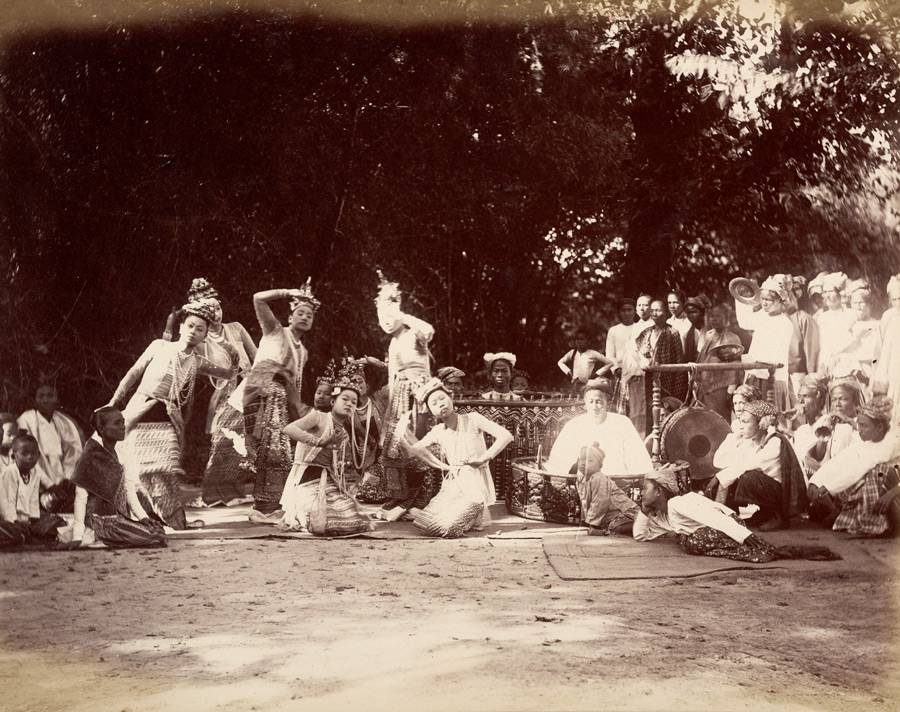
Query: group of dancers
388	433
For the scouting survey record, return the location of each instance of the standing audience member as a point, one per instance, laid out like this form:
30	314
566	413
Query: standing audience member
21	518
452	377
803	354
581	363
834	321
677	318
695	310
716	386
893	295
772	334
657	345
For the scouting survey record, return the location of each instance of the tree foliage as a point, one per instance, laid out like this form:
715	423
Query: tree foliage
514	177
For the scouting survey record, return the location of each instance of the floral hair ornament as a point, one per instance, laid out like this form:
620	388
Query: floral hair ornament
201	289
489	358
388	292
327	378
305	298
206	309
429	387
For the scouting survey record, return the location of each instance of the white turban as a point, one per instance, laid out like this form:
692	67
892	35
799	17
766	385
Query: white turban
836	281
489	358
779	284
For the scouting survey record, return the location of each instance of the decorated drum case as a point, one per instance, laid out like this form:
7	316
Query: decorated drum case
532	423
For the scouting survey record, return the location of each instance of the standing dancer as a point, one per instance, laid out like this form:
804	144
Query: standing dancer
270	397
163	379
224	343
408	368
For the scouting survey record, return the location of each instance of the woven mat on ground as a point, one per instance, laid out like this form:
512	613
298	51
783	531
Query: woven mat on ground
233	523
575	556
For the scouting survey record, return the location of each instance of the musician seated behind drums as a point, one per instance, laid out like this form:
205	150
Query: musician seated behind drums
614	434
762	467
605	507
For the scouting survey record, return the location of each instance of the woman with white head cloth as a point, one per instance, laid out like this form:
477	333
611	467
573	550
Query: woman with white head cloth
500	370
772	334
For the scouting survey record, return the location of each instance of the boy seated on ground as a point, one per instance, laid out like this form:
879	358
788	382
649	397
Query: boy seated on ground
10	431
21	518
605	508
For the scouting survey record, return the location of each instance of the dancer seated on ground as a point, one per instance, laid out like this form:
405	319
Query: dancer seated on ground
106	503
605	508
10	431
703	527
21	517
468	488
500	368
856	491
59	441
615	435
323	447
764	467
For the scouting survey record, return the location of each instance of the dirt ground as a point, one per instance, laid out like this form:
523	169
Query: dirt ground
472	624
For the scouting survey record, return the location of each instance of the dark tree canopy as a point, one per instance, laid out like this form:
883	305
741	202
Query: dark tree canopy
514	176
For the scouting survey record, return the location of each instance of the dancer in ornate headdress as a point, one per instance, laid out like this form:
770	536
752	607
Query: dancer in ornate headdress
408	368
364	469
224	343
320	459
164	378
270	396
322	398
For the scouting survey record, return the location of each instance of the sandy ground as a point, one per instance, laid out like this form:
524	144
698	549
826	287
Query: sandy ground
473	624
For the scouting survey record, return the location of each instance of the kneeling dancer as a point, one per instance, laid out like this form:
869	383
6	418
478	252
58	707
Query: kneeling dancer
467	489
319	459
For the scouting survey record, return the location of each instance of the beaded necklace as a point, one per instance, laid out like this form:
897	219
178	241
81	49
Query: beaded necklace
359	465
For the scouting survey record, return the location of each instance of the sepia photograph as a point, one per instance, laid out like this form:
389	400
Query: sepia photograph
460	355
